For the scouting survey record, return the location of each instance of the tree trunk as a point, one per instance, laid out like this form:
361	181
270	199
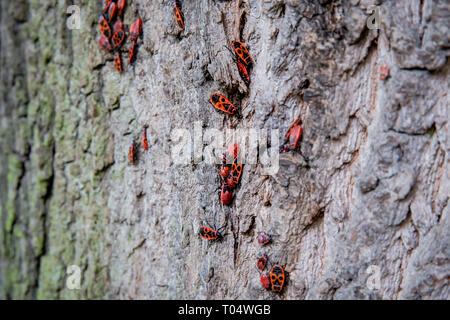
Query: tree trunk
359	211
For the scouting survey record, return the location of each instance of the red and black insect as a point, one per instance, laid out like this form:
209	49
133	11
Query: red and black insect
265	282
121	7
277	278
136	29
384	72
106	5
118	62
132	53
144	138
220	102
105	28
226	194
178	14
232	152
241	52
292	137
235	174
211	232
208	233
243	72
104	43
132	153
119	35
261	263
112	12
263	238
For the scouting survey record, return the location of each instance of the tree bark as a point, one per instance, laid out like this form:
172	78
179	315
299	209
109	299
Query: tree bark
360	211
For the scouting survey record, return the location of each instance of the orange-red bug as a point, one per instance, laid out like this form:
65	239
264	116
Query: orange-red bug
106	5
384	72
112	12
121	6
263	238
144	138
132	153
220	102
103	42
277	278
178	14
136	30
265	282
261	263
235	174
105	28
118	36
226	195
292	137
132	53
242	52
118	62
208	233
243	72
224	171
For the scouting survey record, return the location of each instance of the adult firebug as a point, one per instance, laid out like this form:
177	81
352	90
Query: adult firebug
132	153
136	29
104	27
220	102
277	278
103	42
112	12
121	6
226	194
178	14
144	138
118	62
242	52
119	35
292	137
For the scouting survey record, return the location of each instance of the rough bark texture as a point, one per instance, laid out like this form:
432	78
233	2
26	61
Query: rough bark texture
370	185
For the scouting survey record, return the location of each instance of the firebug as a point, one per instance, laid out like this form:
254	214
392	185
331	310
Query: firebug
277	278
144	138
132	153
292	137
105	28
118	36
121	6
226	194
118	62
136	30
261	263
104	43
263	238
242	52
178	14
265	282
112	12
220	102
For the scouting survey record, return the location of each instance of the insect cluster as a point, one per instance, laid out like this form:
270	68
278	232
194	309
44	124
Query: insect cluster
111	39
112	32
